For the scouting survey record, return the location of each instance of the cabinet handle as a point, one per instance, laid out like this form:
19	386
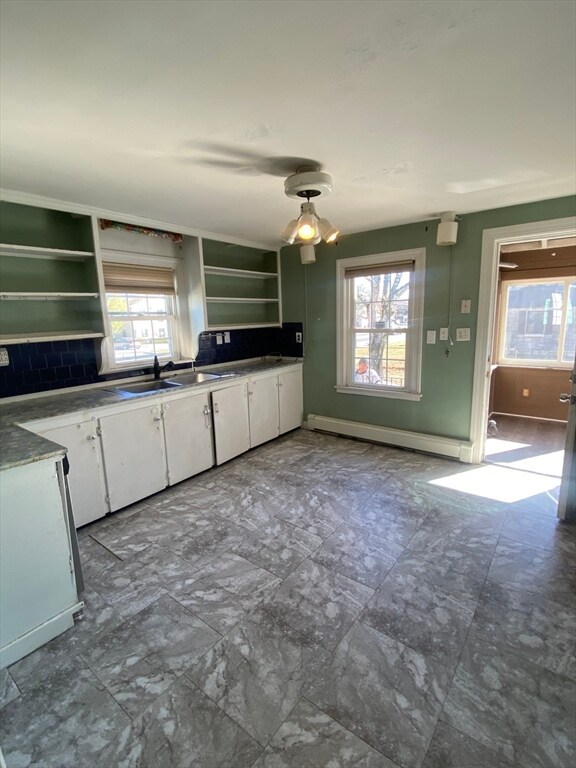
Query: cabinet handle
216	408
157	418
207	417
91	437
250	392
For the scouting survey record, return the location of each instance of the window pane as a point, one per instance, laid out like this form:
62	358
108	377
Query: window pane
136	337
569	350
380	304
533	321
381	301
158	305
380	359
124	344
116	302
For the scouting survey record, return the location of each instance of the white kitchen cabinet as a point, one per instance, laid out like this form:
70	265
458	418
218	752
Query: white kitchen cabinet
231	422
188	435
38	595
290	400
86	479
134	454
263	409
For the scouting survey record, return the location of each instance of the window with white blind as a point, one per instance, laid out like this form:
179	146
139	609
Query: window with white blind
140	301
380	311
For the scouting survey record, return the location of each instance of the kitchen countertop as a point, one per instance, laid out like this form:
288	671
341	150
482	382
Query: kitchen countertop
19	446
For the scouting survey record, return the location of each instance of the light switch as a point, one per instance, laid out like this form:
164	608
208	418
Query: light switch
443	334
227	337
430	337
218	338
462	334
466	306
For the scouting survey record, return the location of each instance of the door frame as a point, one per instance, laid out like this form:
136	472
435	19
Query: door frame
492	239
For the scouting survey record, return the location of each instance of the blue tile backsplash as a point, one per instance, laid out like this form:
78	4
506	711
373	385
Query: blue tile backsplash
48	365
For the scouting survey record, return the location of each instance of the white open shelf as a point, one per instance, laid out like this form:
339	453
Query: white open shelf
229	272
26	338
36	252
232	300
38	296
239	326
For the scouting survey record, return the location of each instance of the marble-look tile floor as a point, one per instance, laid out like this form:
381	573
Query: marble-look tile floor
316	603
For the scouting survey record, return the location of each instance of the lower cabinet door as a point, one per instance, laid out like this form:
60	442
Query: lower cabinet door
231	425
290	399
134	455
263	408
188	434
86	480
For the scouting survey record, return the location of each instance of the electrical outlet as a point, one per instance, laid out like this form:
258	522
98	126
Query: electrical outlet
298	337
466	306
443	334
227	337
430	337
525	392
218	338
462	334
4	359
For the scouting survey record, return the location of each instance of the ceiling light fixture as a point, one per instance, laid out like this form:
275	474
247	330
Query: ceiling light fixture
309	229
447	229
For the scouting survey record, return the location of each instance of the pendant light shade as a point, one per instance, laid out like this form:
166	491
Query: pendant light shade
309	229
307	254
328	232
290	232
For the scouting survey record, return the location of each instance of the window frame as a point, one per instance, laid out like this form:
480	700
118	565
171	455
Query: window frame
108	363
171	318
516	362
412	389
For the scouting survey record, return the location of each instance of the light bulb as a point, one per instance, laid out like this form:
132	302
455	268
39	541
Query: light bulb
307	226
306	231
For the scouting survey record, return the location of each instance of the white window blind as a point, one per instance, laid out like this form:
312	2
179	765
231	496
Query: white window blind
131	278
381	269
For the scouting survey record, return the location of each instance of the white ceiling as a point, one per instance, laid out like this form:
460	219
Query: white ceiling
183	111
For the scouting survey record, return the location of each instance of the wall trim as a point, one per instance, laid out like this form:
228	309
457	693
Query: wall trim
444	446
492	239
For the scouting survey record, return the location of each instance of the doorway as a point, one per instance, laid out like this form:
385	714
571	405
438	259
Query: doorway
529	433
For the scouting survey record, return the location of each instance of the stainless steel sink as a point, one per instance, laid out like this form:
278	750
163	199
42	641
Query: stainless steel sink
194	378
142	387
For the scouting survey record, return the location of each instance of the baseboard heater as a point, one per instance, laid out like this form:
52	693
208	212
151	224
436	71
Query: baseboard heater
417	441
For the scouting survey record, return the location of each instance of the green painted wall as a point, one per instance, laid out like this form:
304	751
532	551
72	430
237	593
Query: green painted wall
309	296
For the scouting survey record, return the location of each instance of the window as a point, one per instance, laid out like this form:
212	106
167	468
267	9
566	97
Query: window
380	308
537	322
140	302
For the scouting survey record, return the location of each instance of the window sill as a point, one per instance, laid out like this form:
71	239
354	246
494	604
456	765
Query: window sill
393	394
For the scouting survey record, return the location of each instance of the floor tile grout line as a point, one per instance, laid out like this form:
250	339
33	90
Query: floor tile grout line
319	708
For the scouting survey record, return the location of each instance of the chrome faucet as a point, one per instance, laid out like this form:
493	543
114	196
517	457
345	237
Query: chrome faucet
158	370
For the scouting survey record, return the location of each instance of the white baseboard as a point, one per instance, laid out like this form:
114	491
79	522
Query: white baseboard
22	646
443	446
